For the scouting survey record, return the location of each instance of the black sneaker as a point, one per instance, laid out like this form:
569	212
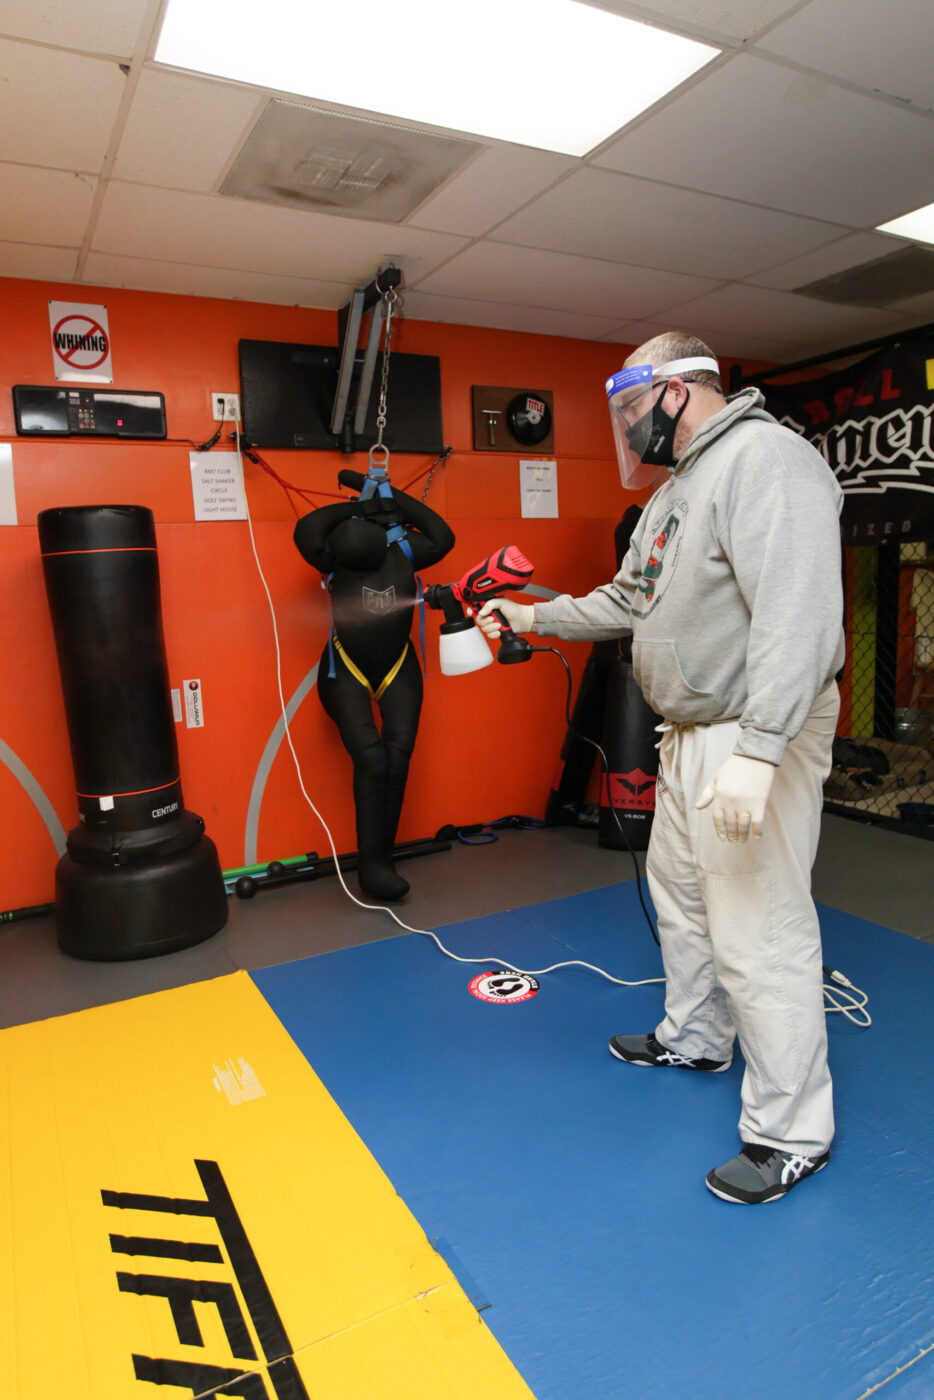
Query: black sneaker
646	1050
761	1174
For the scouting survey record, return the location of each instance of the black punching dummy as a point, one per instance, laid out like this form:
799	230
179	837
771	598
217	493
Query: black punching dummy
359	546
139	876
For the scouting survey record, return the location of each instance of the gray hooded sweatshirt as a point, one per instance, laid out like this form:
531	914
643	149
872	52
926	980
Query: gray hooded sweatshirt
732	585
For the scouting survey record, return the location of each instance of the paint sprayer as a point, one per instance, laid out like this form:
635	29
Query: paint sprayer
463	646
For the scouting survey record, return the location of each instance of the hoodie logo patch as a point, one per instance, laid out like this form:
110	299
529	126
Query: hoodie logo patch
666	535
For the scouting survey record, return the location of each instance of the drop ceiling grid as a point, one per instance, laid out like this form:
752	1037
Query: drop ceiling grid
57	109
151	275
524	239
183	131
601	214
761	132
91	26
216	231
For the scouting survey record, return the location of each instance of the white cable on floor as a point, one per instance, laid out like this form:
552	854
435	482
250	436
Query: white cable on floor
427	933
852	1002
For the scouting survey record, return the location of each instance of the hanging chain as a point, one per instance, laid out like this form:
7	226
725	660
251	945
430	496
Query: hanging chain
428	482
444	455
389	299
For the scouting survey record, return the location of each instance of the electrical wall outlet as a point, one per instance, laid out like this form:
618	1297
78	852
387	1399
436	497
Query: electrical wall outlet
226	406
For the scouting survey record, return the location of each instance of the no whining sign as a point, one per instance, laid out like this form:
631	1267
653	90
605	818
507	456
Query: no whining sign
80	342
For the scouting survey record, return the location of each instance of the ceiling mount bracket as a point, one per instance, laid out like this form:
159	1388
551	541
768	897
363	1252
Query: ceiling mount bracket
349	319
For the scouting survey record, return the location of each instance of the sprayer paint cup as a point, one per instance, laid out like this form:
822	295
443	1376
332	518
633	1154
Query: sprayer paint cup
463	648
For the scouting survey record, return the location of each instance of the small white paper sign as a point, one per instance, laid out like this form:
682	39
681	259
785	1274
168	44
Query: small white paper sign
7	491
217	486
538	485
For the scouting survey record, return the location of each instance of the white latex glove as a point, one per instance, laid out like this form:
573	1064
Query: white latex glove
739	791
520	616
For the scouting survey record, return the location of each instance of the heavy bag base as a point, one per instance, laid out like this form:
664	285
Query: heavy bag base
113	913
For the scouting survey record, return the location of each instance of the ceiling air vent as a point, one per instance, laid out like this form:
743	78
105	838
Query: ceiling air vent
309	158
882	282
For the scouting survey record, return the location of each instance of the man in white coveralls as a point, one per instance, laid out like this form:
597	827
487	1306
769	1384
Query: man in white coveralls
732	591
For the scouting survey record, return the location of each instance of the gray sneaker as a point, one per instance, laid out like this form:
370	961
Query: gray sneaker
761	1174
646	1050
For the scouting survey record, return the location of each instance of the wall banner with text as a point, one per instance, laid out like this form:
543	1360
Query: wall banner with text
874	424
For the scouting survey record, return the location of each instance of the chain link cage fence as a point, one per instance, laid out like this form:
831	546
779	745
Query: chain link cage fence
883	756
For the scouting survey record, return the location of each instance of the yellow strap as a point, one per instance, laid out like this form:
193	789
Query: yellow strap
359	676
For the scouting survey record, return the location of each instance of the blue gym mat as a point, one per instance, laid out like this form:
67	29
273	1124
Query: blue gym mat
566	1189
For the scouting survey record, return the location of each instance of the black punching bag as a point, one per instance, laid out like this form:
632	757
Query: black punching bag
632	759
139	876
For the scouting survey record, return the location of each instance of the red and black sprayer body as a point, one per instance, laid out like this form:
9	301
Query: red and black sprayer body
506	570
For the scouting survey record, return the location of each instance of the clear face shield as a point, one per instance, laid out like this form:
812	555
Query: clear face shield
642	431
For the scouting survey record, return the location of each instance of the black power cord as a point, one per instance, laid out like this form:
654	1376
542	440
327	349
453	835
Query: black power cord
606	769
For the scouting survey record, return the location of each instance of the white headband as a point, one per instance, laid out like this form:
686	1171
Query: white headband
682	366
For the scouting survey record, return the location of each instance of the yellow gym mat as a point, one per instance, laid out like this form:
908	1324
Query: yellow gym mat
187	1212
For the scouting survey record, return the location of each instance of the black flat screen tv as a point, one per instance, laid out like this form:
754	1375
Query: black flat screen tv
287	396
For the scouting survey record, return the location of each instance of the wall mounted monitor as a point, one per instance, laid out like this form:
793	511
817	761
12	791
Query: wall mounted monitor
288	391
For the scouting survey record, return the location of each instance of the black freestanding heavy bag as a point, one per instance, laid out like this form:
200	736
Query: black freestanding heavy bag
575	765
139	876
632	759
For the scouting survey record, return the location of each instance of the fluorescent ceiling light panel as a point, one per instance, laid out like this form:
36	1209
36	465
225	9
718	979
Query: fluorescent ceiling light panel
560	75
919	225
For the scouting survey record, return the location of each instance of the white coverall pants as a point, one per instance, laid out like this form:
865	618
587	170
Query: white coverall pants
739	933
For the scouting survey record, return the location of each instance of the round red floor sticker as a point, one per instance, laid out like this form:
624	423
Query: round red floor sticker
503	986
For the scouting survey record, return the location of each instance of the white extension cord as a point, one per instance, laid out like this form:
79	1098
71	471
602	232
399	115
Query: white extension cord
841	995
833	995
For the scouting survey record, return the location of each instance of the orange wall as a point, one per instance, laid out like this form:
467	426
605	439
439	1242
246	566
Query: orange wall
488	742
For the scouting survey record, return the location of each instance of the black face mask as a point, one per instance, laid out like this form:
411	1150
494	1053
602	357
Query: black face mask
652	437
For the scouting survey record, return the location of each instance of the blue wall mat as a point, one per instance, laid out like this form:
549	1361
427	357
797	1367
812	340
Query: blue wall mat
572	1186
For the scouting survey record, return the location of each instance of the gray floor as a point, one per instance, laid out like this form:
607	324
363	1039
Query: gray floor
876	874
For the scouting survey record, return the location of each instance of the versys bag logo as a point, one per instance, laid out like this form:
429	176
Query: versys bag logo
375	601
629	792
666	536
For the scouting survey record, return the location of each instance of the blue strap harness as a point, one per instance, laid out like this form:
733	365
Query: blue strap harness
377	483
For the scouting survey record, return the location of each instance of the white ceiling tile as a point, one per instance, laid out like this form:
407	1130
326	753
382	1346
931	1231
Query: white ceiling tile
459	311
733	19
881	47
94	26
214	231
44	264
751	347
625	219
57	109
530	277
182	132
847	252
782	317
48	207
761	132
110	270
487	190
747	347
635	332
